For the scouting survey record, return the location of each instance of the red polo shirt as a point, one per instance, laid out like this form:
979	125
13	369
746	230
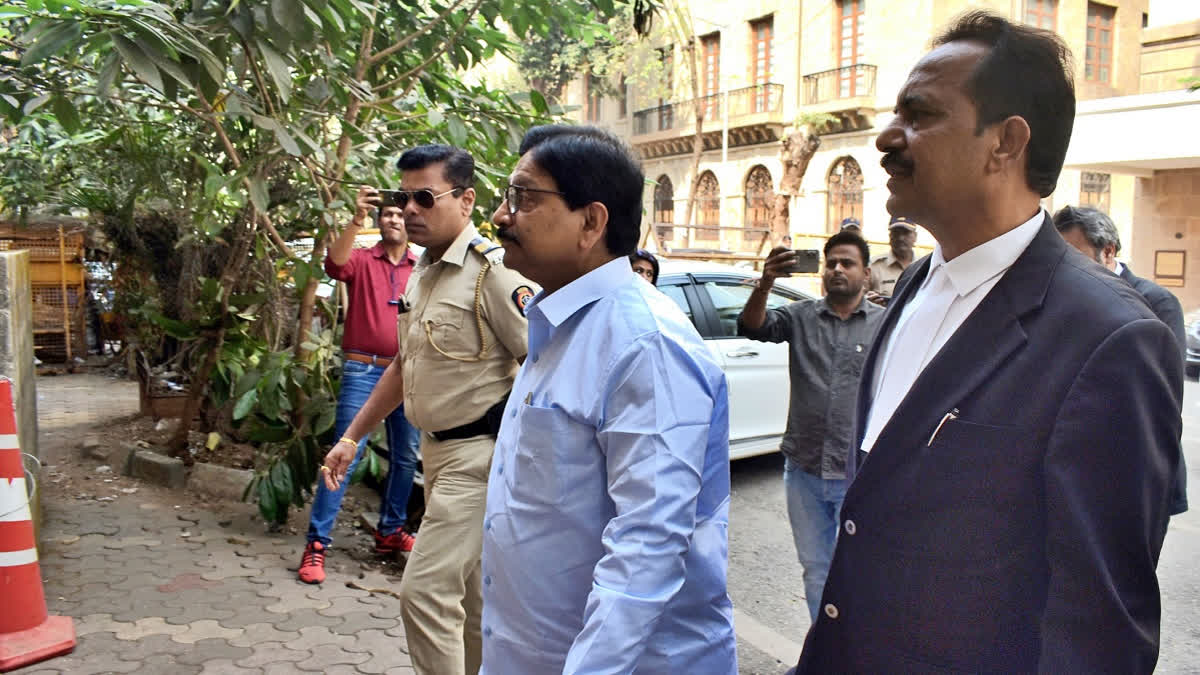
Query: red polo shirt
372	281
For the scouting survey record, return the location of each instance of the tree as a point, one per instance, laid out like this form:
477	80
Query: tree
259	118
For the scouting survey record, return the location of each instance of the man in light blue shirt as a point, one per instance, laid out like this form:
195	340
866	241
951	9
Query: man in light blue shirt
605	544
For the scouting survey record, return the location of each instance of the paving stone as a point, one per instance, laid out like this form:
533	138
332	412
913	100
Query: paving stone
313	636
272	652
98	623
278	669
213	648
258	633
165	663
149	646
300	618
343	606
402	670
376	641
329	655
225	667
202	630
188	581
291	603
382	662
251	613
149	626
143	603
120	543
333	591
353	622
201	611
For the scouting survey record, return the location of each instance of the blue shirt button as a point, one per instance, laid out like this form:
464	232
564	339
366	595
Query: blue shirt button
487	581
487	632
487	525
500	470
535	358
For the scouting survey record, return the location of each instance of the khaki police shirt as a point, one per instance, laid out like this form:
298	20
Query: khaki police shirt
885	271
440	392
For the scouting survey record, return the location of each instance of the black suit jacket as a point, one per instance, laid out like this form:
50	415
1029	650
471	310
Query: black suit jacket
1166	307
1023	536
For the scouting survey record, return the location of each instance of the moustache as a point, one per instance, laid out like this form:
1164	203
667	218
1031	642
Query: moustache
895	162
505	235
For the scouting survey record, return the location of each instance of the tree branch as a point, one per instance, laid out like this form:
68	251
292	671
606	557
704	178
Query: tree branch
413	75
406	40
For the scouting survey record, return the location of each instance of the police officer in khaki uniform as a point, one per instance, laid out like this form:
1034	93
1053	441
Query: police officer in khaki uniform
462	334
887	268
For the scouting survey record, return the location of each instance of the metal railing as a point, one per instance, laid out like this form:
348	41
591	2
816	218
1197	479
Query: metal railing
839	83
759	98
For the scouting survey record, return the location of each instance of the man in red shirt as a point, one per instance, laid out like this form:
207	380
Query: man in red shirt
376	278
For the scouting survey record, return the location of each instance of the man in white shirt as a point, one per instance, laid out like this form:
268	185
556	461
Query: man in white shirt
1018	416
604	539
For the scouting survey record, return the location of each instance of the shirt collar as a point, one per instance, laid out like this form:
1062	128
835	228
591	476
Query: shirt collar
1120	269
456	254
827	309
566	301
379	251
973	268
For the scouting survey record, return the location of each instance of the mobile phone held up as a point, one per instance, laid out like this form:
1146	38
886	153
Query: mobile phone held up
389	198
808	261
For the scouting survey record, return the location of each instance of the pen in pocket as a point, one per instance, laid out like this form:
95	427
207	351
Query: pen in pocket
952	415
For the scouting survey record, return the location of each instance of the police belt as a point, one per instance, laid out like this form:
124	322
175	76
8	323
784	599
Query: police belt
488	425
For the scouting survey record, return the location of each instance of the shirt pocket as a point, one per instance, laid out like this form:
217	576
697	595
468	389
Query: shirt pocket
446	328
554	454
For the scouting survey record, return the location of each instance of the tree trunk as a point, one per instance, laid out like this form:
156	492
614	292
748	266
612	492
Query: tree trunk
698	139
796	152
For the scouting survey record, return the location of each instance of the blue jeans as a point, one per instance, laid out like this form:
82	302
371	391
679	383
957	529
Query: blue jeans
813	505
358	379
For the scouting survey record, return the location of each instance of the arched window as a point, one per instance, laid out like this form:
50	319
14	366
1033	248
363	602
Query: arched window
845	198
708	206
664	207
760	198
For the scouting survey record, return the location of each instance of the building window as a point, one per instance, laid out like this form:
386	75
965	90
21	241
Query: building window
760	197
1097	61
1042	13
592	97
851	27
708	202
664	207
762	59
1170	267
710	74
845	198
1094	190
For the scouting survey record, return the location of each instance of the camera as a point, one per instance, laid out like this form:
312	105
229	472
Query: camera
389	198
808	261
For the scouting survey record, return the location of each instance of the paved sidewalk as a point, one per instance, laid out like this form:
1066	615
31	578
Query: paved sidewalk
158	583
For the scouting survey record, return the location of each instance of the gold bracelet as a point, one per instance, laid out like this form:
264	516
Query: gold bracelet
347	439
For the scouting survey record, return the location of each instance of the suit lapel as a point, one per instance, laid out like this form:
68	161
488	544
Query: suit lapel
982	344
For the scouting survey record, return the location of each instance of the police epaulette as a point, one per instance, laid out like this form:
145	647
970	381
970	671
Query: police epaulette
488	250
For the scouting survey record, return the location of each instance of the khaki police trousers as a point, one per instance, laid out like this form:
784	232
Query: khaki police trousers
440	596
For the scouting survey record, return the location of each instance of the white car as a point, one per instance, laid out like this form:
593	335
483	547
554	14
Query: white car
713	296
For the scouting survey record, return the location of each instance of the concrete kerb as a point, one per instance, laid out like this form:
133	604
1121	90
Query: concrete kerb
219	481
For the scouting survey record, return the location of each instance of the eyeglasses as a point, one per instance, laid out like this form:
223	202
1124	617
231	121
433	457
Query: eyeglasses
424	197
514	196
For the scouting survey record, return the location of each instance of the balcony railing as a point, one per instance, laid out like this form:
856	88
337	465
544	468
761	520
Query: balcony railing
760	98
840	83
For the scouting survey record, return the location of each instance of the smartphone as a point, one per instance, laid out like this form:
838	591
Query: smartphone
388	198
808	261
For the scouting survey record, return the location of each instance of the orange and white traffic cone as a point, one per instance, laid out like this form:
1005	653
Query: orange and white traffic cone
27	633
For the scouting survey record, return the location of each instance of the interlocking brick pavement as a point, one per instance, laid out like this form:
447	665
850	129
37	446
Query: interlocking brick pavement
160	582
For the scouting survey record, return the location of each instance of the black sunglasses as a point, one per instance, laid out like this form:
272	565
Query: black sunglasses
424	197
514	196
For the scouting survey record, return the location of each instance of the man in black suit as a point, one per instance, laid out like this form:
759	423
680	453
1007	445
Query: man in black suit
1019	412
1094	234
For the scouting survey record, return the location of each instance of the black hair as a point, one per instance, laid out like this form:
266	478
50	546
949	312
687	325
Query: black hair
458	168
592	165
1095	225
846	237
1027	73
643	254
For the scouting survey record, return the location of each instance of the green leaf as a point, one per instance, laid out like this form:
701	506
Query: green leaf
458	130
35	103
245	404
109	72
258	194
281	480
278	67
435	117
13	11
267	504
35	5
52	42
137	61
65	112
166	63
294	22
286	141
539	101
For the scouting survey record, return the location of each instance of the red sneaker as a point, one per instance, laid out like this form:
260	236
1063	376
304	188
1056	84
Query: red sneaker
312	565
396	541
